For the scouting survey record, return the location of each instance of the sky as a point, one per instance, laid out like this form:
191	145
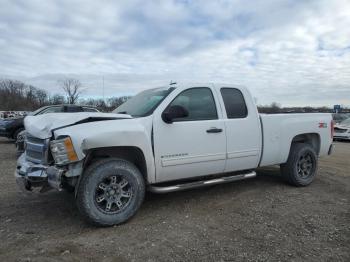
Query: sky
294	52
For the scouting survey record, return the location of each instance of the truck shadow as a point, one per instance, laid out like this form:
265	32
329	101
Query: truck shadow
54	210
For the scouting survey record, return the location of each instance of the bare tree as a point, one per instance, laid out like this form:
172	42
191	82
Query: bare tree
73	89
57	99
41	96
114	102
276	107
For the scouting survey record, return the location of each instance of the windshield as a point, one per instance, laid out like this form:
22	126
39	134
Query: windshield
345	122
144	103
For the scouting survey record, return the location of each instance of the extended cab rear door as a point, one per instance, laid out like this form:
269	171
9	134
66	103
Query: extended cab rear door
194	145
243	129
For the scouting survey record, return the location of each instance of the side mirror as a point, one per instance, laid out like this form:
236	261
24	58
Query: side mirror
174	112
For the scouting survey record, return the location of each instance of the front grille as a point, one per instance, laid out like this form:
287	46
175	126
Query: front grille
36	149
339	130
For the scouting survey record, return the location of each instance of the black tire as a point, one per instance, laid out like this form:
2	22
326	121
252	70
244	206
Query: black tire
69	189
301	166
15	134
104	182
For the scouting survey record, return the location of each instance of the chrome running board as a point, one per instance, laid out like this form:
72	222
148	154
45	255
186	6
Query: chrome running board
201	183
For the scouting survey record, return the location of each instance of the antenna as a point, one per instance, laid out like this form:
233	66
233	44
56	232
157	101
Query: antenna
103	88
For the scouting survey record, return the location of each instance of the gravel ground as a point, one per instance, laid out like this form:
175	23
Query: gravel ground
261	219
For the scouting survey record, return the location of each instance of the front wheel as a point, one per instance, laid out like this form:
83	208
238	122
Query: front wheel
301	166
110	192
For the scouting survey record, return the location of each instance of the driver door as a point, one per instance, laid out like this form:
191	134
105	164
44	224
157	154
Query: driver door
194	145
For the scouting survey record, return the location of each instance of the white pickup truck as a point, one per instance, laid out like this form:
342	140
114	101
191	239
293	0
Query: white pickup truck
164	140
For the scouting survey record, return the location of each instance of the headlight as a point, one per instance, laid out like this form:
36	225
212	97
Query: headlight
63	151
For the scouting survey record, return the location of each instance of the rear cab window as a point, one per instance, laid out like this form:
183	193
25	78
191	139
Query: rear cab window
235	104
73	109
90	109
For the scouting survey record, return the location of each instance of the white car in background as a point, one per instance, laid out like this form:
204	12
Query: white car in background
342	130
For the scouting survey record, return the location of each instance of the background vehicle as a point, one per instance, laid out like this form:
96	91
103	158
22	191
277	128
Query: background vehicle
342	130
12	127
340	117
6	114
164	140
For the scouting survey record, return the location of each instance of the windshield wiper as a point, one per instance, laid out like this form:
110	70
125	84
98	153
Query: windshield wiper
122	112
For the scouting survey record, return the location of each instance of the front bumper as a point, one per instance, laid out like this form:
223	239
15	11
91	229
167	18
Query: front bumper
30	175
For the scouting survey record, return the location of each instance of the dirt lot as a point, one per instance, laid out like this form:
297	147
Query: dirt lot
261	219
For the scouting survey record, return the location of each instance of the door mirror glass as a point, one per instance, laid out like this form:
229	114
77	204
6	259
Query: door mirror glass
173	112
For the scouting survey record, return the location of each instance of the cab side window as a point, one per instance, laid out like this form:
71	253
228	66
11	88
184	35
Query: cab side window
234	103
199	102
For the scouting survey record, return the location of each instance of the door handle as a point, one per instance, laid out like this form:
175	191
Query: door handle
214	130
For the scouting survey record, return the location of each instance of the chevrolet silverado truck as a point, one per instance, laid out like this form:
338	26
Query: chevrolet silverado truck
164	140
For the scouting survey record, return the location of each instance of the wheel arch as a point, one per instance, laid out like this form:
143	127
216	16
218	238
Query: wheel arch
132	154
313	139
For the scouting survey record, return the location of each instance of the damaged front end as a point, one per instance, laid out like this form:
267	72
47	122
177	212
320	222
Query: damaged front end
51	160
37	166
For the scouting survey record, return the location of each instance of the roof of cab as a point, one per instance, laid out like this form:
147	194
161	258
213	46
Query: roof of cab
204	84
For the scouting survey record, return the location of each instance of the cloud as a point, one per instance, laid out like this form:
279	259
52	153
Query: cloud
292	52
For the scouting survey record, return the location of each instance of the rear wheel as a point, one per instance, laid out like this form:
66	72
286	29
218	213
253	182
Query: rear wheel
301	166
110	192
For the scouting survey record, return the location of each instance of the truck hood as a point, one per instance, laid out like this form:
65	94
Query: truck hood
41	126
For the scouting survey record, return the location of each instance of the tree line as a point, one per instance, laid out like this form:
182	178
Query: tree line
18	96
275	108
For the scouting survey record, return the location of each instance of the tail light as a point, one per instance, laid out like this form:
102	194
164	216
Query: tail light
332	129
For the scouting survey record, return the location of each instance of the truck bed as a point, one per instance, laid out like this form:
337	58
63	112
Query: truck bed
279	130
